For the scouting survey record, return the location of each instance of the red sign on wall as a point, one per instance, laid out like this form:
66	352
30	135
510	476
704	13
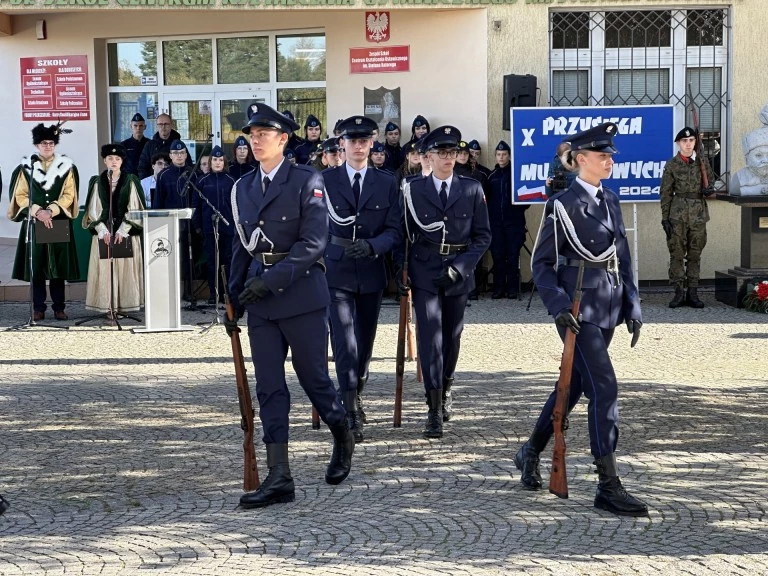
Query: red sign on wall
54	88
377	26
379	59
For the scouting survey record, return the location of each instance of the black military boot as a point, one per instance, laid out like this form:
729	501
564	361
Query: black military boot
447	399
361	382
353	418
679	299
4	505
434	426
341	459
693	299
277	486
527	460
611	495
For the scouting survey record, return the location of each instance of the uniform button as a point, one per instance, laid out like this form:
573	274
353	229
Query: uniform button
283	218
279	289
591	241
464	215
261	222
359	227
358	214
377	205
445	218
246	221
337	206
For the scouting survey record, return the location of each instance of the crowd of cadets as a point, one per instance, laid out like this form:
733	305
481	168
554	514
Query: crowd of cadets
165	185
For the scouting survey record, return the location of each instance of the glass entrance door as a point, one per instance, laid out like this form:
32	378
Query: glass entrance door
232	112
193	119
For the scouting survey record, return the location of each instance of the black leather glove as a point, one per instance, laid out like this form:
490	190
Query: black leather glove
402	288
230	326
358	249
448	277
708	191
565	319
667	225
255	290
633	326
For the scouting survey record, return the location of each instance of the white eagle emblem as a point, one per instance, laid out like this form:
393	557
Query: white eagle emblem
447	130
358	121
377	25
254	109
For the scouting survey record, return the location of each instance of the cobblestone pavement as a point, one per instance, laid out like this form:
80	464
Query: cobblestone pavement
122	454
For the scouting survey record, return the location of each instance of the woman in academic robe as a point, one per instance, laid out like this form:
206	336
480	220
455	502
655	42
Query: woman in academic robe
126	278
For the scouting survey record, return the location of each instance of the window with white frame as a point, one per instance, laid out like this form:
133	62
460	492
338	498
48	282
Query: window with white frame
143	74
675	56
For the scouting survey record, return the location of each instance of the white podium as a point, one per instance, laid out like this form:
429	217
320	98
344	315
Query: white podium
162	269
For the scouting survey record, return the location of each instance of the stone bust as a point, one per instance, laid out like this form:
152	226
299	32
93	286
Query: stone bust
752	180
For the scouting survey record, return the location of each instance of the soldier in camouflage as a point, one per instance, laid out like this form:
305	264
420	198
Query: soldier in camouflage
684	217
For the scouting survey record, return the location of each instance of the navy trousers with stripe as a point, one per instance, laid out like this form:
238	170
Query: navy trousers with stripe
594	377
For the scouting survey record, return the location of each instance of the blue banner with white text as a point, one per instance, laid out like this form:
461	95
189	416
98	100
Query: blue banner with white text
644	140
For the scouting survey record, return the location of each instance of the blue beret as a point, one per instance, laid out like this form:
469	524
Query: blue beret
377	147
312	122
217	152
288	114
357	127
391	127
420	121
331	145
178	145
597	139
267	117
137	118
442	137
503	147
240	141
474	145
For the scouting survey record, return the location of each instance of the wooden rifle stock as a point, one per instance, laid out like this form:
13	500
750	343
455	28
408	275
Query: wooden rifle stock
699	143
250	470
405	304
558	480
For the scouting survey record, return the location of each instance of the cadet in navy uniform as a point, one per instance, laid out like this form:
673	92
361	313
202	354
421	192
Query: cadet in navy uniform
446	219
216	186
365	224
474	157
277	276
172	193
312	134
134	145
395	153
507	227
584	223
243	162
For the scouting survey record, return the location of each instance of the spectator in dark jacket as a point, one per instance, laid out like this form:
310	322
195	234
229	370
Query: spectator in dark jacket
161	142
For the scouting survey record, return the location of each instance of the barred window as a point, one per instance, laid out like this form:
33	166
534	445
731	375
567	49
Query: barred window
636	87
570	30
647	57
705	27
570	87
638	29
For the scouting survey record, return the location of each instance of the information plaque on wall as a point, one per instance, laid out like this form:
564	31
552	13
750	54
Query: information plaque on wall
54	88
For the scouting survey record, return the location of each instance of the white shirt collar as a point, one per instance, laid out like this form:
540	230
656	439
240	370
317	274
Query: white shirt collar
272	174
438	183
591	190
351	173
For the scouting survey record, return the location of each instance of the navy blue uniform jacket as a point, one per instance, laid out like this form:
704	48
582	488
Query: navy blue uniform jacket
294	216
217	188
378	222
602	303
169	189
466	221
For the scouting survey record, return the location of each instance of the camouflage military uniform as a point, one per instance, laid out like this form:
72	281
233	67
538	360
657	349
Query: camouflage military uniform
683	204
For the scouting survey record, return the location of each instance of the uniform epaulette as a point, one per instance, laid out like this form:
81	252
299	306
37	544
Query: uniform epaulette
305	168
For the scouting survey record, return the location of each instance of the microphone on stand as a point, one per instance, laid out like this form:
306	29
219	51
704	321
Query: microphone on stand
34	158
